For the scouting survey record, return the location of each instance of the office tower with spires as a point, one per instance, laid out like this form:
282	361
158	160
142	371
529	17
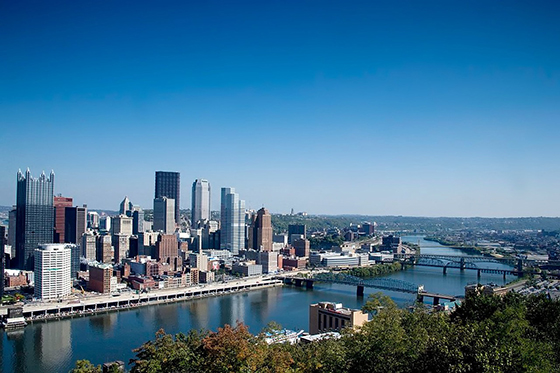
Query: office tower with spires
34	216
200	208
126	207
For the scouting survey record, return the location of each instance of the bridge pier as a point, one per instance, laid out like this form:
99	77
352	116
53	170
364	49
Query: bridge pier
504	275
308	284
462	264
478	273
445	270
436	301
420	298
360	291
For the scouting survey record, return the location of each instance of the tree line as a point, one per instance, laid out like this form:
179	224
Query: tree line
512	333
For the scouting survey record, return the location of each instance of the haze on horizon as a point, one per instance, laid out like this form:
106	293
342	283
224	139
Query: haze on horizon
430	108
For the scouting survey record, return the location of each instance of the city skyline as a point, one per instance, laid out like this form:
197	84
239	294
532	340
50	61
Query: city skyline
415	109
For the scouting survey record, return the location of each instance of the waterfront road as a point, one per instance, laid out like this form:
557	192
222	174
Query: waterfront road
92	303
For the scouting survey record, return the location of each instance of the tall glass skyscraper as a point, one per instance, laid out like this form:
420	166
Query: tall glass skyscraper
34	216
200	208
168	184
232	221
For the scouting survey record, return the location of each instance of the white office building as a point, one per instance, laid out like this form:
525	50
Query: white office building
52	271
200	208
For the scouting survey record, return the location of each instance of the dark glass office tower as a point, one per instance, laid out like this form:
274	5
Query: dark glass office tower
2	258
34	216
168	184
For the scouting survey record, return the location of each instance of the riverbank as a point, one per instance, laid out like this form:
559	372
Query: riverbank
103	304
469	249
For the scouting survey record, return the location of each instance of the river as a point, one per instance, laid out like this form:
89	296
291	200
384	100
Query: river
54	346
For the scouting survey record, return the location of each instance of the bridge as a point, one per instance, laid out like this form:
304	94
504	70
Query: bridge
361	283
382	283
462	263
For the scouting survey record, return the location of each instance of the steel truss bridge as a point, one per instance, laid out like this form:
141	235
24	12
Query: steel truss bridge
462	263
346	279
361	283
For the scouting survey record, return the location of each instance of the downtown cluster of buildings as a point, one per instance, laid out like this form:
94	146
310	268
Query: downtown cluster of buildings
56	246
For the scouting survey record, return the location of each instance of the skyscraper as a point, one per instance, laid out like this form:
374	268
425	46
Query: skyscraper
126	207
260	235
52	271
164	209
296	230
60	204
200	208
75	223
34	216
2	259
168	184
232	221
137	220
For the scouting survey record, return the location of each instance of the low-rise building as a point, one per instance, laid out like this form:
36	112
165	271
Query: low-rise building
293	263
247	268
101	278
328	316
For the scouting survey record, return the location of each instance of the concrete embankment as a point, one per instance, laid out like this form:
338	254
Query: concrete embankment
101	304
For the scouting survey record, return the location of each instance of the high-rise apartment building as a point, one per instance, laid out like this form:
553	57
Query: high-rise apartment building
260	232
232	221
168	184
200	207
34	216
52	271
60	203
164	215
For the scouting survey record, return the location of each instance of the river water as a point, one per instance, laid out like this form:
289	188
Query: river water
54	346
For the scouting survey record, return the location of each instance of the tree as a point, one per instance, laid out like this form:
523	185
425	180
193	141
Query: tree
182	353
377	302
85	366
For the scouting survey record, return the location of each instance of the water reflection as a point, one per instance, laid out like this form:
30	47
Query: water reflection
55	344
103	323
199	313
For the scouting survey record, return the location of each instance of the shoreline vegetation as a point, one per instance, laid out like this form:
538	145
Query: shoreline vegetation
374	270
475	250
513	333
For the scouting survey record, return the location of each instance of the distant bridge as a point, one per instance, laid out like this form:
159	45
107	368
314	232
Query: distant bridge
462	263
382	283
361	283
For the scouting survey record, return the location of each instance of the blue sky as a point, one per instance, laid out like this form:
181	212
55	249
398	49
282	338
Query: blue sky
432	108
